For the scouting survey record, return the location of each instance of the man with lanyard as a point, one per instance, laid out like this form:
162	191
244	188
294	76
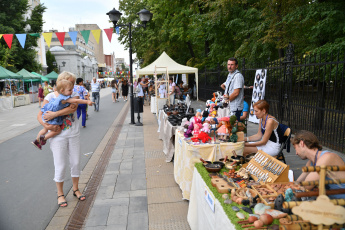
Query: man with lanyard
308	148
95	87
234	88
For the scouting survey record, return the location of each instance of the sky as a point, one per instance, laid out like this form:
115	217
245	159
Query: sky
63	14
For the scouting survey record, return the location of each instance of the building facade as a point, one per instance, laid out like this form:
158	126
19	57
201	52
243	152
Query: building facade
92	49
40	49
71	61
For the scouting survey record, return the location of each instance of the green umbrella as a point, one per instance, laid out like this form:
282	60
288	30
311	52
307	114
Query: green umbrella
6	74
52	75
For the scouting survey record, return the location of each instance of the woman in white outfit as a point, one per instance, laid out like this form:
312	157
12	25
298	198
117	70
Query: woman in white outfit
269	133
66	145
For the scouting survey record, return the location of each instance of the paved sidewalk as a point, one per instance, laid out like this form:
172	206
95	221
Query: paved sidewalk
138	190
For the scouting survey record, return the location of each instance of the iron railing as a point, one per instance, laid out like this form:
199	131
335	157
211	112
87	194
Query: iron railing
303	92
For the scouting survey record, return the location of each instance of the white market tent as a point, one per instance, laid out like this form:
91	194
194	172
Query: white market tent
173	67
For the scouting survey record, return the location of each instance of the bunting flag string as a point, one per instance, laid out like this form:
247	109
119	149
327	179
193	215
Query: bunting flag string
109	33
61	36
48	38
21	38
96	34
73	35
8	39
86	35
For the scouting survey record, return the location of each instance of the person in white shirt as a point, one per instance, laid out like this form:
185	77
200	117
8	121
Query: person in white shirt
95	88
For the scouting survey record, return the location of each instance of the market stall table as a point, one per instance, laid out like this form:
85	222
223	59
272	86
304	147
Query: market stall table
166	133
161	102
5	103
186	155
204	210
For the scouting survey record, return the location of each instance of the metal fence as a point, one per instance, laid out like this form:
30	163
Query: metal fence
303	92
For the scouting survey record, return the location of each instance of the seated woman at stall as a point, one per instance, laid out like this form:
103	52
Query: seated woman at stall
308	148
268	135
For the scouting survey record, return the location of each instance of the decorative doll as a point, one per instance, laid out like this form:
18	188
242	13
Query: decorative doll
196	130
223	130
206	127
197	118
188	133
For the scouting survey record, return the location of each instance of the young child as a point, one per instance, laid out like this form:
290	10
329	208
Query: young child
65	90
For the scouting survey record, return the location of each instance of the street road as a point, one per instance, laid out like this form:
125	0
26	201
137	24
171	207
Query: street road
27	190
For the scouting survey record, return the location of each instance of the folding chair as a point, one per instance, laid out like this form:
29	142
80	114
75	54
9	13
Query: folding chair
285	143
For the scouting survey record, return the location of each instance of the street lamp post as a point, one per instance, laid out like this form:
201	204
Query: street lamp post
144	16
63	64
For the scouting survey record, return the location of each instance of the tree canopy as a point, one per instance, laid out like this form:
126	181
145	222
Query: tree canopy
12	21
208	32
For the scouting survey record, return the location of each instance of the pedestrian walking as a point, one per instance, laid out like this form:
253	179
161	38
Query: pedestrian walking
66	145
64	89
114	90
47	89
80	89
96	88
119	87
40	95
125	90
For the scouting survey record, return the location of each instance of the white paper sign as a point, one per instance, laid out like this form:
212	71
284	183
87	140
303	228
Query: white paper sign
209	198
258	92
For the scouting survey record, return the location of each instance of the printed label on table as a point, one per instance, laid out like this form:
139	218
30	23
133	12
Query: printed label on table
209	198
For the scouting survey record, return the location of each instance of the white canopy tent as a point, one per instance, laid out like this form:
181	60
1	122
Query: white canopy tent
174	68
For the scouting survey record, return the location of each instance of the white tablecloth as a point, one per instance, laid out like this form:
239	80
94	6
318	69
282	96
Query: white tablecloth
200	215
166	133
186	155
161	103
5	103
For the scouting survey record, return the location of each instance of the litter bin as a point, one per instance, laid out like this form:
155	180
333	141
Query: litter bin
138	108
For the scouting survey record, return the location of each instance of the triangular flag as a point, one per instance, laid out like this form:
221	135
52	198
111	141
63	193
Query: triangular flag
73	35
37	35
109	33
61	37
8	38
48	38
21	38
86	34
96	34
1	36
117	29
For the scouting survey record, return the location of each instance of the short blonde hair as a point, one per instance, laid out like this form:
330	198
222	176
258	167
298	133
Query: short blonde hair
65	76
63	84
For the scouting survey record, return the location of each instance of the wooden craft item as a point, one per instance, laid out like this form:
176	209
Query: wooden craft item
318	168
292	204
321	211
307	226
216	181
240	136
316	182
316	193
260	167
223	188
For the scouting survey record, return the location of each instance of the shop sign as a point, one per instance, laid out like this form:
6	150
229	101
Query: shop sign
209	198
321	211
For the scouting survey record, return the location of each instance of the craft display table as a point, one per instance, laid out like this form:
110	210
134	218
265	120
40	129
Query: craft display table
186	155
204	210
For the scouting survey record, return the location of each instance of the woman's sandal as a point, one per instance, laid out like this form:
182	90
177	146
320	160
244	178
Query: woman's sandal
62	204
80	197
